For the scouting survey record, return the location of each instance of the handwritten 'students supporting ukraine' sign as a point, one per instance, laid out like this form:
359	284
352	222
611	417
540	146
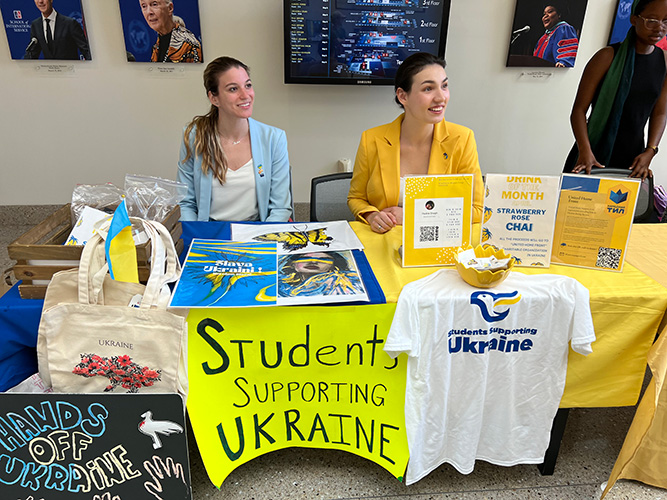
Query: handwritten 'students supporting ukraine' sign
313	377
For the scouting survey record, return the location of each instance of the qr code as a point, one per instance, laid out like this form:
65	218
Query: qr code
428	233
609	258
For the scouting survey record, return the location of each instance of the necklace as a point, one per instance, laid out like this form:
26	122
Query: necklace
233	143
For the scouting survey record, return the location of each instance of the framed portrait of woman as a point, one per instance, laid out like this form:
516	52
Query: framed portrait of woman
162	31
546	34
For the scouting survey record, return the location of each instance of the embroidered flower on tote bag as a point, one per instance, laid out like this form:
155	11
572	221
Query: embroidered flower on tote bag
120	370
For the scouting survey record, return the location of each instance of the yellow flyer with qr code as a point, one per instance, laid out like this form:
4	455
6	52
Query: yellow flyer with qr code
437	218
594	220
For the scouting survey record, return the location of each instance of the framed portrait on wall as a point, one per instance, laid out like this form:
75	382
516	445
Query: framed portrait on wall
46	29
621	24
546	33
162	31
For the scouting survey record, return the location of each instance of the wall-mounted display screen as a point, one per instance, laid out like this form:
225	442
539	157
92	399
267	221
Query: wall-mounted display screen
359	41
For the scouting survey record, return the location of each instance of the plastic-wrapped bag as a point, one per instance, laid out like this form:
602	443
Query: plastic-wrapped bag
152	198
105	197
660	202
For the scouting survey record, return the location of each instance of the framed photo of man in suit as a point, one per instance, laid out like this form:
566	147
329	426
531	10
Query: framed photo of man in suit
46	29
162	31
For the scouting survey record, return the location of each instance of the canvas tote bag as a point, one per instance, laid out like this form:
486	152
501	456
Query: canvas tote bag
101	335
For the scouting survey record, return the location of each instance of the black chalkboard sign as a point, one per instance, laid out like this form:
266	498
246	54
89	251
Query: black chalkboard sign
93	446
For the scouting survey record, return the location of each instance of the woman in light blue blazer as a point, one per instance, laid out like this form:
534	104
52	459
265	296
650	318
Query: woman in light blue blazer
236	168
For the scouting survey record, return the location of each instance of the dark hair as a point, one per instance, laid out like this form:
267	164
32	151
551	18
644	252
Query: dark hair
206	136
410	67
641	5
558	7
339	261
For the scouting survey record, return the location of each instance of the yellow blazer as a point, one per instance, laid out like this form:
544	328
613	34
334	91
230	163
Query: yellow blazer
375	182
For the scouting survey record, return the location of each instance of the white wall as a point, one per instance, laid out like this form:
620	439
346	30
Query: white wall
111	117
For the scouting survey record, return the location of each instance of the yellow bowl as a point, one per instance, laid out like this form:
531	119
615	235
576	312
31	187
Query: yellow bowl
486	278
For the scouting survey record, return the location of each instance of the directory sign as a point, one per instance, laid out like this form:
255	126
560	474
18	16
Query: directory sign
359	41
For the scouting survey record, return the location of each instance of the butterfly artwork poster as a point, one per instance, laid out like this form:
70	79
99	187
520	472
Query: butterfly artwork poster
301	237
253	273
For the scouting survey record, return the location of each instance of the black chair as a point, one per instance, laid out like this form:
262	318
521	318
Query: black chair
292	217
645	212
328	197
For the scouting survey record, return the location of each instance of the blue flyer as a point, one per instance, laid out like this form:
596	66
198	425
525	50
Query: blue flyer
227	274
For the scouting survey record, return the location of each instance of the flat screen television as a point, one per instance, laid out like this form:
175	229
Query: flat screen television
359	42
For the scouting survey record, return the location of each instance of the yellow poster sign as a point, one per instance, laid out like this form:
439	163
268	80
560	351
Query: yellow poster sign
437	218
314	377
593	221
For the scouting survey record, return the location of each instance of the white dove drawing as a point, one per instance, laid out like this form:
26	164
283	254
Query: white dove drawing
152	428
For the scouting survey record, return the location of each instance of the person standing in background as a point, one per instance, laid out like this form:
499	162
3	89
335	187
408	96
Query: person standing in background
626	85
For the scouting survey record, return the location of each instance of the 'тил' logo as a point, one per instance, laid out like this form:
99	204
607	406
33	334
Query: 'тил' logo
489	303
618	196
618	202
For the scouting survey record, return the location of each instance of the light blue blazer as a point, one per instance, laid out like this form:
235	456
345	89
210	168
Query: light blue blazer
272	176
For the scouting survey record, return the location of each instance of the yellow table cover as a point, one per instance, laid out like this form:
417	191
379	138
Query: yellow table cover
644	453
627	309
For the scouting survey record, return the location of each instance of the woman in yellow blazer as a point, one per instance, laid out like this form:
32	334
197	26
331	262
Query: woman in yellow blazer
418	142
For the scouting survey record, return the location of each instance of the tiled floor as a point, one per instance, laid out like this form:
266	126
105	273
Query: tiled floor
592	440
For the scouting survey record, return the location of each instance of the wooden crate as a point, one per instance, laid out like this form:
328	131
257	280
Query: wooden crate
40	252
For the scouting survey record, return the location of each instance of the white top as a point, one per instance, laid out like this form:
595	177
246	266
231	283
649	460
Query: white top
236	199
52	18
486	368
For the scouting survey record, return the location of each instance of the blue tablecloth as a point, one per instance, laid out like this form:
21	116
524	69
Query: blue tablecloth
19	321
19	318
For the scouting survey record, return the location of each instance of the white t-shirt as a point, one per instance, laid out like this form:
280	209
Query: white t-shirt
236	199
486	368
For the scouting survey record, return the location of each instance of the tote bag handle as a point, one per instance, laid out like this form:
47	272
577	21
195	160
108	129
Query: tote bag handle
164	266
92	270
